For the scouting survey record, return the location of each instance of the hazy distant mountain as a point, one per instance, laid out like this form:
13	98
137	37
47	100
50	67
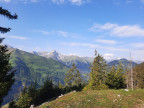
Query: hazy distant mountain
125	63
82	63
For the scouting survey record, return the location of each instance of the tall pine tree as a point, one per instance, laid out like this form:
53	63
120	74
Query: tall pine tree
6	72
73	77
98	73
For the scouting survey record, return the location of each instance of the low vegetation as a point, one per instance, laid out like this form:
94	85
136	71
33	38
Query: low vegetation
99	99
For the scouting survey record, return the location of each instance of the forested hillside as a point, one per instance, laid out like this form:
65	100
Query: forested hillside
31	67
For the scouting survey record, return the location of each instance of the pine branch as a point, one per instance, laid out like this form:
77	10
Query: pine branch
4	30
7	13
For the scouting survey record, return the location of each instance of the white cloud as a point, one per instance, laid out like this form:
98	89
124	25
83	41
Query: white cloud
129	1
28	1
34	1
58	1
18	37
7	1
43	32
81	44
13	37
96	46
138	45
108	56
119	31
75	2
59	33
111	42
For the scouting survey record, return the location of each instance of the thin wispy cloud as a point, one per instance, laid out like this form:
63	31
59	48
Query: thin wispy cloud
111	42
23	1
74	2
137	45
119	30
129	1
58	33
7	1
18	37
13	37
89	45
83	44
58	1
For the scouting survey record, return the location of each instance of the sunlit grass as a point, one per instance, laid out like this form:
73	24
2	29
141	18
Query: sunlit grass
99	99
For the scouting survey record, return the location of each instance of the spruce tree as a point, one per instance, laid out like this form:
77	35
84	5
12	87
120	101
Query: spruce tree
98	73
73	77
115	78
6	72
120	76
111	78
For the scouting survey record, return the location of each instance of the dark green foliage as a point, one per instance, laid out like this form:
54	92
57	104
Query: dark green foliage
138	75
6	72
28	96
115	78
6	13
36	96
24	101
97	74
46	91
73	77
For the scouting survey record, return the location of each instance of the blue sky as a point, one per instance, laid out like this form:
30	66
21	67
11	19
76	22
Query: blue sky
112	27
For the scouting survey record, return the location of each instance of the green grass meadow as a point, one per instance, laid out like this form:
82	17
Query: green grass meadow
99	99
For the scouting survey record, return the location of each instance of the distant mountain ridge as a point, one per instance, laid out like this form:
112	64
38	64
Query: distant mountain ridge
82	63
125	63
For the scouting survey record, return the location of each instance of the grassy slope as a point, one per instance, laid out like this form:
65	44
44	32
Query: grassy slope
99	99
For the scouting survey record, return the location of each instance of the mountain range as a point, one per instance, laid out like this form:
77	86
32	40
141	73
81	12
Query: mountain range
37	66
82	63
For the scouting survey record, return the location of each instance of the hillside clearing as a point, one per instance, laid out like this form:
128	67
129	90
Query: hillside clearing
99	99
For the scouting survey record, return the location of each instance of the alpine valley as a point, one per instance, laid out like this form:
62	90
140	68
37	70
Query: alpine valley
37	66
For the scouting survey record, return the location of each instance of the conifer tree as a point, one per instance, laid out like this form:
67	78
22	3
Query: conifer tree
121	76
24	100
115	78
73	77
111	78
98	73
6	73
